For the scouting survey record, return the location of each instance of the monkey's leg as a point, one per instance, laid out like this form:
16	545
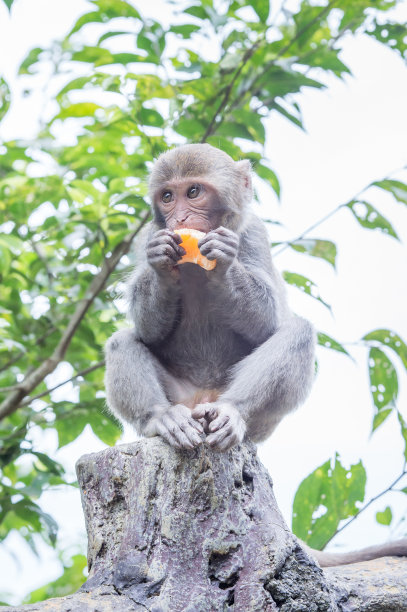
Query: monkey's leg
274	379
264	386
140	389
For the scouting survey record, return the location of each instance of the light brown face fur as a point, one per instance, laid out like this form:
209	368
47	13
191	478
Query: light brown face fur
224	188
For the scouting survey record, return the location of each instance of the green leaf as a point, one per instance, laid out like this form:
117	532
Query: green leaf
403	429
8	3
386	337
80	109
108	9
252	121
380	417
5	98
267	174
149	116
15	244
186	30
190	128
262	8
392	34
294	118
73	418
328	342
383	379
396	188
325	498
370	218
196	11
304	284
324	249
385	517
39	520
32	58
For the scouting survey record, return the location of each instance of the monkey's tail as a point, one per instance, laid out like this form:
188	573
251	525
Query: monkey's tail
328	559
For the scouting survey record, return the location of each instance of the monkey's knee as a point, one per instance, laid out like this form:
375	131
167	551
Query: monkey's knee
120	340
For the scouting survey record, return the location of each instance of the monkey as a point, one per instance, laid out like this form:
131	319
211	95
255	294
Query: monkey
213	355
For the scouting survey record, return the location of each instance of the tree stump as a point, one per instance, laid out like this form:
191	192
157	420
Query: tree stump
200	531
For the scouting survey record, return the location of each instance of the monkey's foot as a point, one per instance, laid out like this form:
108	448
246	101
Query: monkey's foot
226	427
177	427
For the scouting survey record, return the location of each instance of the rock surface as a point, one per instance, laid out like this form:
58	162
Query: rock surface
199	531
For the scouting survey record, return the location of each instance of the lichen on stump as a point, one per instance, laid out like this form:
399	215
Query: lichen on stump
200	531
193	531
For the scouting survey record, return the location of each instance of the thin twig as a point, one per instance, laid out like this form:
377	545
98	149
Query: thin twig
251	85
228	90
369	503
11	403
96	366
40	255
330	214
309	229
11	361
21	354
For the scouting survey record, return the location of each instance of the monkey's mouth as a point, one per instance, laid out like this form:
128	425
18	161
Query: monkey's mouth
200	227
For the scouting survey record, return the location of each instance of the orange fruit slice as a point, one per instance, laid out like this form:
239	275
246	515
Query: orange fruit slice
190	238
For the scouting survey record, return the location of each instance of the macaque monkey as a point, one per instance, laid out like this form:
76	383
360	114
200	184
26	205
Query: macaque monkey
214	355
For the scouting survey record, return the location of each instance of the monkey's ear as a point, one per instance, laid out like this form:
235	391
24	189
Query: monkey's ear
245	170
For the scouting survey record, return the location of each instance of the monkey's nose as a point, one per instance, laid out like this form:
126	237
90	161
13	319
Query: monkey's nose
181	218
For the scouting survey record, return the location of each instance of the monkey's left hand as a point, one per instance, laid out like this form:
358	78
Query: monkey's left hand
225	424
221	244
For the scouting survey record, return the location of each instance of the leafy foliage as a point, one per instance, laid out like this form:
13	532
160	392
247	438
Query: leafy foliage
72	206
326	497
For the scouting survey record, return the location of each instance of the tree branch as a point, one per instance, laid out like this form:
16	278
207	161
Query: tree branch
369	503
11	403
309	229
228	90
96	366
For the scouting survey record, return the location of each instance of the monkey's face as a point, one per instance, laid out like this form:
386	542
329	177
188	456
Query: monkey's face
190	203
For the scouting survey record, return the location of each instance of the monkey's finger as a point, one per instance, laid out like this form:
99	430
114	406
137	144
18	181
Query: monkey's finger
220	255
191	433
164	433
219	422
228	443
165	248
175	430
196	425
215	245
167	232
204	411
220	240
166	240
221	235
225	231
216	437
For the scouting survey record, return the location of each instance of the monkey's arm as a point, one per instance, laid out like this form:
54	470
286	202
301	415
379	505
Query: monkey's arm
154	303
153	292
248	292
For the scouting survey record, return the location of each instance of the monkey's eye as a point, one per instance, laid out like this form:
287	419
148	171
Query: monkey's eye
166	197
194	191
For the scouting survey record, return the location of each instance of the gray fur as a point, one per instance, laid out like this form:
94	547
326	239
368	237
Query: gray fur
228	329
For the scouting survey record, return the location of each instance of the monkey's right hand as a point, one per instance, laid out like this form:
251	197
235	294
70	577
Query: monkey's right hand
164	251
177	427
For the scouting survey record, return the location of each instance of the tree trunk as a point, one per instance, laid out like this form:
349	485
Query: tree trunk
200	531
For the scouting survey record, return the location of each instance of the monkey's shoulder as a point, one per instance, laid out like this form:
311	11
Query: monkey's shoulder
254	242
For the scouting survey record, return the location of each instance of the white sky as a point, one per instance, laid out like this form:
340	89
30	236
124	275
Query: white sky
356	133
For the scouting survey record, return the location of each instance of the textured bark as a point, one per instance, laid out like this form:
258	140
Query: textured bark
199	531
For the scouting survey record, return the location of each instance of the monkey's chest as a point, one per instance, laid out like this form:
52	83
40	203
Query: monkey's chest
200	348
